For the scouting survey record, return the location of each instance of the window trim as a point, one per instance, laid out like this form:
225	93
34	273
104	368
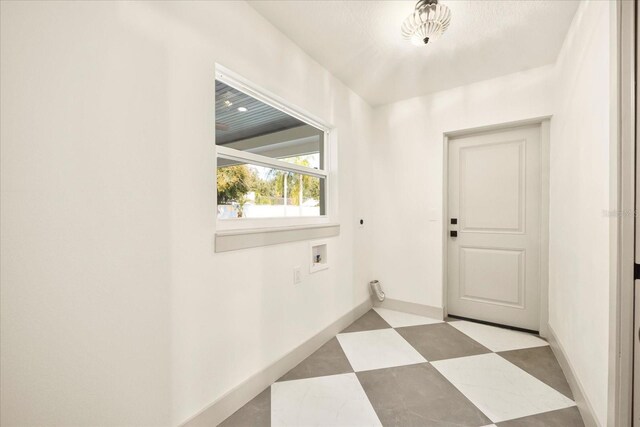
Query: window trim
232	224
259	160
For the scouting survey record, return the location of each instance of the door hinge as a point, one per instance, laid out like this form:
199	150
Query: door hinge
636	272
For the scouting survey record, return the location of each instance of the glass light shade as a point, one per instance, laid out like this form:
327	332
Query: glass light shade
429	20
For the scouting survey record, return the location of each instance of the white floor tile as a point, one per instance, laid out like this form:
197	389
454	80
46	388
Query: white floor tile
500	389
398	319
335	400
498	339
382	348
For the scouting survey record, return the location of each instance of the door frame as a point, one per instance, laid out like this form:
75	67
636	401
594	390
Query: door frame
624	137
544	123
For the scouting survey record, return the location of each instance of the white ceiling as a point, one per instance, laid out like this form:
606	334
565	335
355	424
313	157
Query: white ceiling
360	42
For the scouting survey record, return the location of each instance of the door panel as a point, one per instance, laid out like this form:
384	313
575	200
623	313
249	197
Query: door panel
492	187
494	194
492	276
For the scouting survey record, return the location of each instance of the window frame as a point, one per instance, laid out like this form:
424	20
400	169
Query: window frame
232	224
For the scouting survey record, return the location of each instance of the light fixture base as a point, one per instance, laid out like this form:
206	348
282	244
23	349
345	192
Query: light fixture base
424	3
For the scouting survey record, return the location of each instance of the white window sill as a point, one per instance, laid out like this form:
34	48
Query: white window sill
232	240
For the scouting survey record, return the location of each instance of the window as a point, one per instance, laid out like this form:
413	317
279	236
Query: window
271	159
251	191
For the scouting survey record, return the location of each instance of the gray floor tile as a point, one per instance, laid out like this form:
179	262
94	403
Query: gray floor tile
327	360
441	341
368	322
418	395
256	413
542	364
569	417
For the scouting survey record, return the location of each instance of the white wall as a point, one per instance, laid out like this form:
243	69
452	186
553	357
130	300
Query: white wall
408	178
115	309
579	194
85	217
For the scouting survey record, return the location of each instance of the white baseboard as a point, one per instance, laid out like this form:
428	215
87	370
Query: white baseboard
237	397
584	405
411	307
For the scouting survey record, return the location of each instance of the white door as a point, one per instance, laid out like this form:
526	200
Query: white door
494	206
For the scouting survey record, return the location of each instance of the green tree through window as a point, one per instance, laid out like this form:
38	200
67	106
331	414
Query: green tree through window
267	186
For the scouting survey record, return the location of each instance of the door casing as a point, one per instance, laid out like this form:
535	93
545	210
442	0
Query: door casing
624	195
544	123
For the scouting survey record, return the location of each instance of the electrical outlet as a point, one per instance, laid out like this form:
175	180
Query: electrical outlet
297	275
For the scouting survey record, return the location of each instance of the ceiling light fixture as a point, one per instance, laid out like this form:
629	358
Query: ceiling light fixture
427	22
242	109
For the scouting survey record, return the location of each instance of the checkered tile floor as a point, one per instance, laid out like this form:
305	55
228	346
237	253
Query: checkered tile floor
397	369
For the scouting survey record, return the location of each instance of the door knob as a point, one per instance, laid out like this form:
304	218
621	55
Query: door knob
453	233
